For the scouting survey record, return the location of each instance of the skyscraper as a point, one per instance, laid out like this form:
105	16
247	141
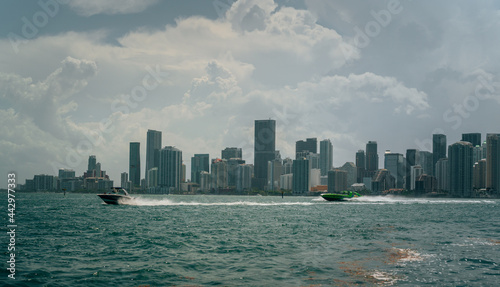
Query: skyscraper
479	174
274	172
493	162
199	163
360	164
382	181
219	174
264	150
394	163
243	177
124	180
425	159
337	180
460	168
153	146
309	145
416	172
134	168
352	172
473	138
438	149
232	167
442	174
231	152
412	158
170	168
325	156
301	174
92	163
371	162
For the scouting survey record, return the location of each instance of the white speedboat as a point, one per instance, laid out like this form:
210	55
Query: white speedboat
117	195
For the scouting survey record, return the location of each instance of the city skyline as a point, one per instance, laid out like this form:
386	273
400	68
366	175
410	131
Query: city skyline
82	79
413	158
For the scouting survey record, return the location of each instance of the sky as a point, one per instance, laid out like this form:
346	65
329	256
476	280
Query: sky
80	78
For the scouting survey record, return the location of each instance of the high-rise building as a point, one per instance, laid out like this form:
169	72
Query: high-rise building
425	161
313	160
477	153
199	163
274	171
244	177
124	180
484	148
264	150
301	174
170	169
43	182
205	181
309	145
460	168
394	163
183	173
442	175
479	174
425	184
352	172
438	148
231	152
412	158
219	174
153	147
337	180
473	138
360	164
286	181
92	163
66	173
287	166
134	168
232	166
152	177
493	163
314	177
325	156
371	162
382	181
416	172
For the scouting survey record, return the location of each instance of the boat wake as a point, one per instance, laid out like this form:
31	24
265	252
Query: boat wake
389	199
140	201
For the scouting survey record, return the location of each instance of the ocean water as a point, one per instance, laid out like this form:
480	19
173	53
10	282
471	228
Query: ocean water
76	240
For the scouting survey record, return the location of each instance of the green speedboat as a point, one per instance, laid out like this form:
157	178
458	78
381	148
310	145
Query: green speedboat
340	195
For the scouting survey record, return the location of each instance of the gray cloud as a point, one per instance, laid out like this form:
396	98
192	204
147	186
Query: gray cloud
261	60
93	7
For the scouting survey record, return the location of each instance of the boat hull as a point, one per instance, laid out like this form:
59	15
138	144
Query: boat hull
114	199
339	196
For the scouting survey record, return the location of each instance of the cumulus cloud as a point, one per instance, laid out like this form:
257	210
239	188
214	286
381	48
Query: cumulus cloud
35	128
261	60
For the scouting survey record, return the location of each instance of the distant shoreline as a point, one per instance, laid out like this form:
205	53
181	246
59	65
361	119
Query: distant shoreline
264	193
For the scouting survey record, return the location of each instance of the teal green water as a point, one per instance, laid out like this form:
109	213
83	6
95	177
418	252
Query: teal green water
254	241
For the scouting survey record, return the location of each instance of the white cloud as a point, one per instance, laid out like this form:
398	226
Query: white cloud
260	61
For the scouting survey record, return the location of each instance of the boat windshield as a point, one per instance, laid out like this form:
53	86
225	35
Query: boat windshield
119	190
